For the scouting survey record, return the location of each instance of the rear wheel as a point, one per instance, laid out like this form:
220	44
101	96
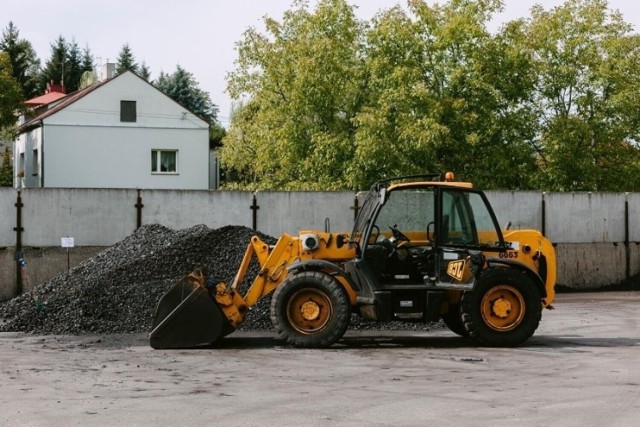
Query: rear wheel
503	310
310	309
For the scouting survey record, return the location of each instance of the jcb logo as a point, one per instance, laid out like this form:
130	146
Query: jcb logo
455	269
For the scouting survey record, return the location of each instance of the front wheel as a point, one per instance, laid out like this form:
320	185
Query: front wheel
310	309
503	310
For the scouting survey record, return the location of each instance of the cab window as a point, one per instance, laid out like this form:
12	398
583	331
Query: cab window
466	220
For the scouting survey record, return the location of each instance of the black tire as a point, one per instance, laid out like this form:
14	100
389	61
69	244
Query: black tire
310	309
453	320
503	310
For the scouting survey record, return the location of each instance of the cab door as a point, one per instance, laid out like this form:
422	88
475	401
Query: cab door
466	226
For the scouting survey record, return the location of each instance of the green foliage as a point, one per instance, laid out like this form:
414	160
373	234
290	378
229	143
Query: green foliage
126	60
66	64
6	170
24	62
216	134
183	88
588	83
442	96
145	72
549	102
11	98
304	79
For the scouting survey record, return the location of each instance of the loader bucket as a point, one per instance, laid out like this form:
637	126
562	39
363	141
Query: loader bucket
187	316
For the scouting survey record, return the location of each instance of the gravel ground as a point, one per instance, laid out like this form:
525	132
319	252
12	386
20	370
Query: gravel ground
117	290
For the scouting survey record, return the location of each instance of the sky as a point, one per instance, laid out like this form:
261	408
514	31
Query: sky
198	35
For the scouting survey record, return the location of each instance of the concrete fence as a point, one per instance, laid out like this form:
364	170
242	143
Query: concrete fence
597	235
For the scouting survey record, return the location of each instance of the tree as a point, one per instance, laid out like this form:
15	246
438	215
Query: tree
88	62
73	67
548	102
216	134
54	68
24	62
66	64
586	104
304	80
145	73
335	103
6	170
11	98
126	60
445	94
183	88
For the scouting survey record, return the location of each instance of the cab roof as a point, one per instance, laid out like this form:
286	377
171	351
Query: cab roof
414	184
446	179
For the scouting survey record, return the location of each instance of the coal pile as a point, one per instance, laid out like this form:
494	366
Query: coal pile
117	291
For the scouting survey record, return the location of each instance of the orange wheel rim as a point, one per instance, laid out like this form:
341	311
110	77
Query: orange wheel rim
309	311
502	308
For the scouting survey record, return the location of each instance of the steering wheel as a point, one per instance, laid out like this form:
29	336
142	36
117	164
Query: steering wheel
399	235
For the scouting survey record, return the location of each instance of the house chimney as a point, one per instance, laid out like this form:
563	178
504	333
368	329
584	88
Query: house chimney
52	87
108	71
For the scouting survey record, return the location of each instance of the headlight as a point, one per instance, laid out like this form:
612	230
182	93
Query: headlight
310	242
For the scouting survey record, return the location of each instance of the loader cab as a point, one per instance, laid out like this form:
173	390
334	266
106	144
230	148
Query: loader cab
418	236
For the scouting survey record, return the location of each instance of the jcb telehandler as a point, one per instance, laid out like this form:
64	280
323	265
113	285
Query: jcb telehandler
422	248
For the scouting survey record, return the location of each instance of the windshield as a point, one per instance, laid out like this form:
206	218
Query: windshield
412	211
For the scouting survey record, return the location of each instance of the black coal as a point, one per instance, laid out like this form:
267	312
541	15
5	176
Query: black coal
117	290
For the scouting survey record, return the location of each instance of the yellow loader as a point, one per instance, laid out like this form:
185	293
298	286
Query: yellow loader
423	248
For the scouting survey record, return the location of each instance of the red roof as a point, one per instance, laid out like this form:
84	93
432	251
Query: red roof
45	99
69	99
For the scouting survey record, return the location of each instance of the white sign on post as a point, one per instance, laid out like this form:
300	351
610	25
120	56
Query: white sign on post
67	242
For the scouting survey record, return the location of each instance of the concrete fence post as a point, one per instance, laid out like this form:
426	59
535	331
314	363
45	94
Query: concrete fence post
139	207
18	253
254	207
627	238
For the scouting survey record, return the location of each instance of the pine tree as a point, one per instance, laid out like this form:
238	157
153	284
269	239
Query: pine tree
88	63
24	62
55	67
145	73
73	68
183	88
126	60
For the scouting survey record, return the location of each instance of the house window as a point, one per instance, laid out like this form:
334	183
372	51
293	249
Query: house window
164	161
21	166
35	166
127	111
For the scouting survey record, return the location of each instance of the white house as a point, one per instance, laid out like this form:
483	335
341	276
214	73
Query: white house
118	133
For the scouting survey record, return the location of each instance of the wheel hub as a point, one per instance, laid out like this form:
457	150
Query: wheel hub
501	308
310	310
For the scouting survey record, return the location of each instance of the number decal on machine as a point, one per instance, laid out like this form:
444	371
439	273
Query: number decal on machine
512	254
455	269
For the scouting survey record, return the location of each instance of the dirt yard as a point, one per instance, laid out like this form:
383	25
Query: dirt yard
581	368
